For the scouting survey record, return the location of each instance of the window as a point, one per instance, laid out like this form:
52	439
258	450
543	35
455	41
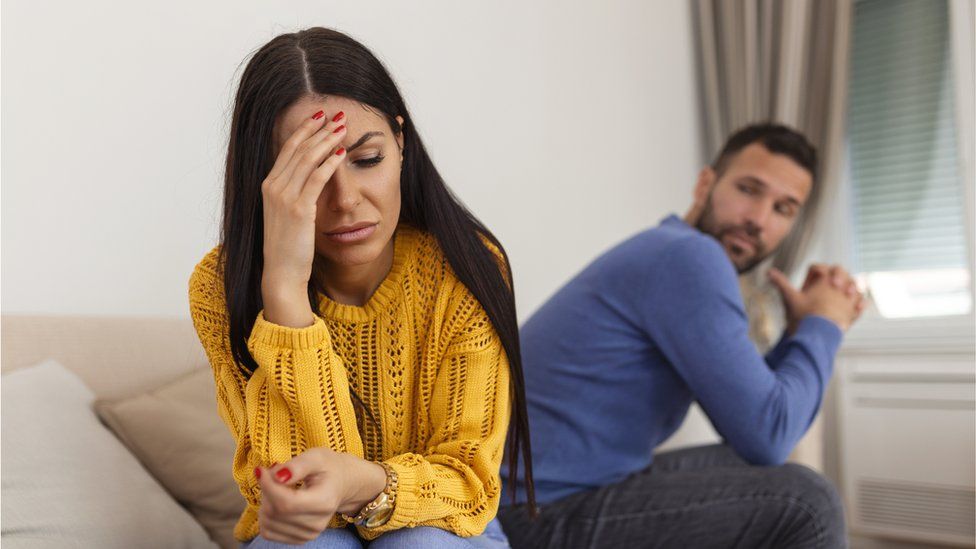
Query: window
911	248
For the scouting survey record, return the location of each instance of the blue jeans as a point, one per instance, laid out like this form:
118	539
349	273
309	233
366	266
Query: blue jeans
406	538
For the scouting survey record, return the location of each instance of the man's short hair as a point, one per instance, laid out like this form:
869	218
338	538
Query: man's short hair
777	139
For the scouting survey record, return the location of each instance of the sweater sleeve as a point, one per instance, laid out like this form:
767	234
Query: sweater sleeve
693	311
778	351
298	398
455	485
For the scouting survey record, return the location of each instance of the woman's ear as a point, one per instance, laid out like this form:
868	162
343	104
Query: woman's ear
399	136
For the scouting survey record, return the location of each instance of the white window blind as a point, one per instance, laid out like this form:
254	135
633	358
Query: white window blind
907	191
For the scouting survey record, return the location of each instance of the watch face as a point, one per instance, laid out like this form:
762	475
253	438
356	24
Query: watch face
380	515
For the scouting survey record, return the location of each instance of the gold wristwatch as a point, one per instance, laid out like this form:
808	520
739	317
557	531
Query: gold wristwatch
378	511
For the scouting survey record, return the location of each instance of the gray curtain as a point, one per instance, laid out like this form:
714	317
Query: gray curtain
782	61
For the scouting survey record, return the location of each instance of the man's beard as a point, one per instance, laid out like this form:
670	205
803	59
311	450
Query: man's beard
709	225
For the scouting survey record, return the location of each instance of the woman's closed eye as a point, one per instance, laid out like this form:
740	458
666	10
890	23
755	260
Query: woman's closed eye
369	161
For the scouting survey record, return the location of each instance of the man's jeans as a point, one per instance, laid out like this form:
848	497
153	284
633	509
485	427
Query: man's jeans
691	499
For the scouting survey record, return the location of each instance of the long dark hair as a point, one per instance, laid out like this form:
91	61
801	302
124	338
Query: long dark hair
322	62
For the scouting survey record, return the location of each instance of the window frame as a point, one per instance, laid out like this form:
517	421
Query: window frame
954	333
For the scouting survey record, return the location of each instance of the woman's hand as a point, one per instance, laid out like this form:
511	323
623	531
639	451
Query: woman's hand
304	165
300	497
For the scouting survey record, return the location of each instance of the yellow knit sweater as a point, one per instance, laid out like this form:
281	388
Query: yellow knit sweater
422	355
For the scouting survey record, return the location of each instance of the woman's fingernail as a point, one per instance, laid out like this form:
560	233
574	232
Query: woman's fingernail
283	475
339	128
257	472
338	116
318	115
339	152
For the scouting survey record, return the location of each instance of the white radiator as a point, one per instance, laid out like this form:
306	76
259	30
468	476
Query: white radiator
908	444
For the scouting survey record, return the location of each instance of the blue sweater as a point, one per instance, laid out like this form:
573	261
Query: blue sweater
614	359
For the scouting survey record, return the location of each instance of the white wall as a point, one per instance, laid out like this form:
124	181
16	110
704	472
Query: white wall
566	127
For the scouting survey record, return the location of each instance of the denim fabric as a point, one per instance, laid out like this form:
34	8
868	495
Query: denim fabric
407	538
695	498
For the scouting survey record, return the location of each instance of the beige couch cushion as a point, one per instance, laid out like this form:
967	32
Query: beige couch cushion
114	356
67	482
176	433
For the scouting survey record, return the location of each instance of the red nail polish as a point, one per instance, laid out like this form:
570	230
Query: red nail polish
339	128
283	475
339	152
257	472
338	117
318	115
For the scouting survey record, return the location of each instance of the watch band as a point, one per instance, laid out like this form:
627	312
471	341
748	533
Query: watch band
378	512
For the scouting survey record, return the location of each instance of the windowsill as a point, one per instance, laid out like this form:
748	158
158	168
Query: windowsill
933	335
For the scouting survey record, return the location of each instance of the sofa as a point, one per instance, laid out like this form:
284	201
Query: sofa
110	436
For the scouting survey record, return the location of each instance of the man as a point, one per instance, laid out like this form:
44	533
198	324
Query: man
615	358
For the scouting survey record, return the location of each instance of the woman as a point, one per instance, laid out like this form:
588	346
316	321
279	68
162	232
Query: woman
359	321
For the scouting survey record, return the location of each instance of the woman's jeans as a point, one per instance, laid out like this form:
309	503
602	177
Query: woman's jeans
422	537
